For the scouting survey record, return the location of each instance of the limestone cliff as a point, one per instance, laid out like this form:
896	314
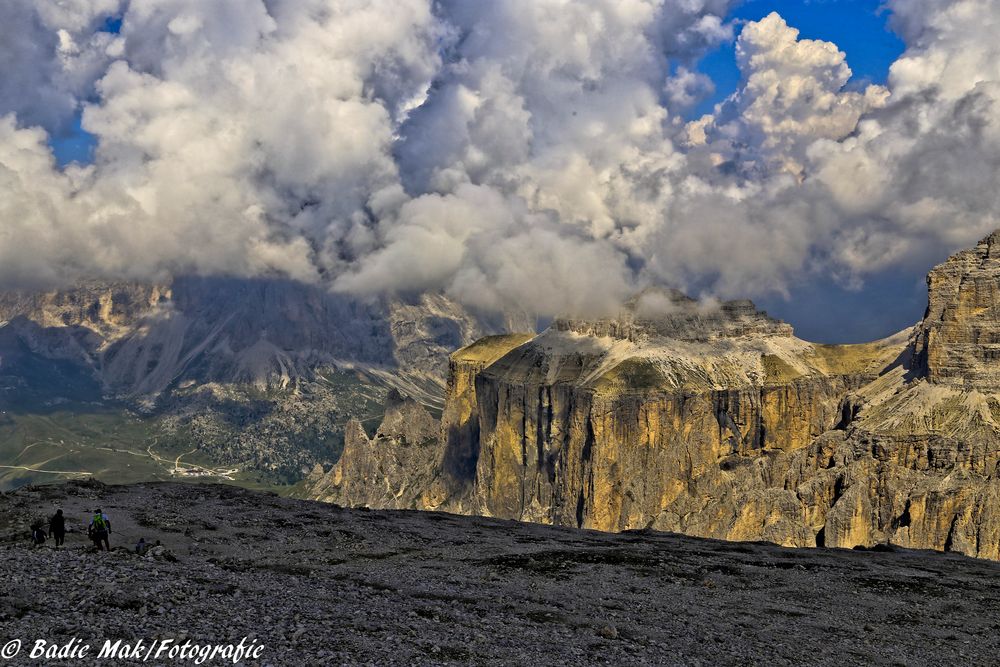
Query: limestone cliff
650	425
414	461
958	342
392	469
719	422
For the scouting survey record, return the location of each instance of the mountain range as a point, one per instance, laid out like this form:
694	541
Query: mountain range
710	419
245	378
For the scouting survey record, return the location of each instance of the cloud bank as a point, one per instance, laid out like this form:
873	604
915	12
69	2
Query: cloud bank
529	153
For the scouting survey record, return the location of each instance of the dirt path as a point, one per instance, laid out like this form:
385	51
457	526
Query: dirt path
54	472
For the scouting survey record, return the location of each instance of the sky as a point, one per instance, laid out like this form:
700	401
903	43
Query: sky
819	311
549	156
858	27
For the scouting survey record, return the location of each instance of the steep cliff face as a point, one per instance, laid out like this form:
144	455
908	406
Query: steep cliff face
649	424
920	465
720	423
395	468
461	421
958	342
415	461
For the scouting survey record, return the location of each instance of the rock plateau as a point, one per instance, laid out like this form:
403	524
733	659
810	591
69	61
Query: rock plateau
716	421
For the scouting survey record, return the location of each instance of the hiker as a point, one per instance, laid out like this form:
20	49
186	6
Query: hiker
38	535
99	530
57	527
141	546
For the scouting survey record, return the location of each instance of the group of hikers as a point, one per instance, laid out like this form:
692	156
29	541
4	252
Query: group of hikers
99	530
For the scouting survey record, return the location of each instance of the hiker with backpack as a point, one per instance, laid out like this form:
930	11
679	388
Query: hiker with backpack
99	530
57	527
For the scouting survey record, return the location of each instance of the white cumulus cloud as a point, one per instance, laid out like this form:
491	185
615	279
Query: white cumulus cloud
528	153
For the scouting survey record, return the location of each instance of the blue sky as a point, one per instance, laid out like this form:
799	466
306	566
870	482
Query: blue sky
75	146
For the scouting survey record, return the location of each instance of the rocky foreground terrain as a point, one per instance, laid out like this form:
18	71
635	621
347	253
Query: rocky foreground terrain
714	420
318	584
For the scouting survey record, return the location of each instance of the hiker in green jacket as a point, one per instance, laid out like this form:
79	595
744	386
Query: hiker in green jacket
99	530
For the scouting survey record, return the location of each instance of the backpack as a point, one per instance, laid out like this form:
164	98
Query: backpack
100	525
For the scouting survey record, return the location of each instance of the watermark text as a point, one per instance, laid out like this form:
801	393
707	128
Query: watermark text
139	650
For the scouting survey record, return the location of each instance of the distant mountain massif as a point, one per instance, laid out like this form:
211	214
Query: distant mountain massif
250	380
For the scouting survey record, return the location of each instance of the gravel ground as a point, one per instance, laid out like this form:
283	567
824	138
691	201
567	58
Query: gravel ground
316	584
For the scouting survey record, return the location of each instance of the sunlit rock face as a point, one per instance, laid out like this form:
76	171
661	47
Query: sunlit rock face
404	470
673	422
717	421
959	339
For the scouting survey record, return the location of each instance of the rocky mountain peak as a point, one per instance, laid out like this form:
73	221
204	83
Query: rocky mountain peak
407	419
958	342
992	245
